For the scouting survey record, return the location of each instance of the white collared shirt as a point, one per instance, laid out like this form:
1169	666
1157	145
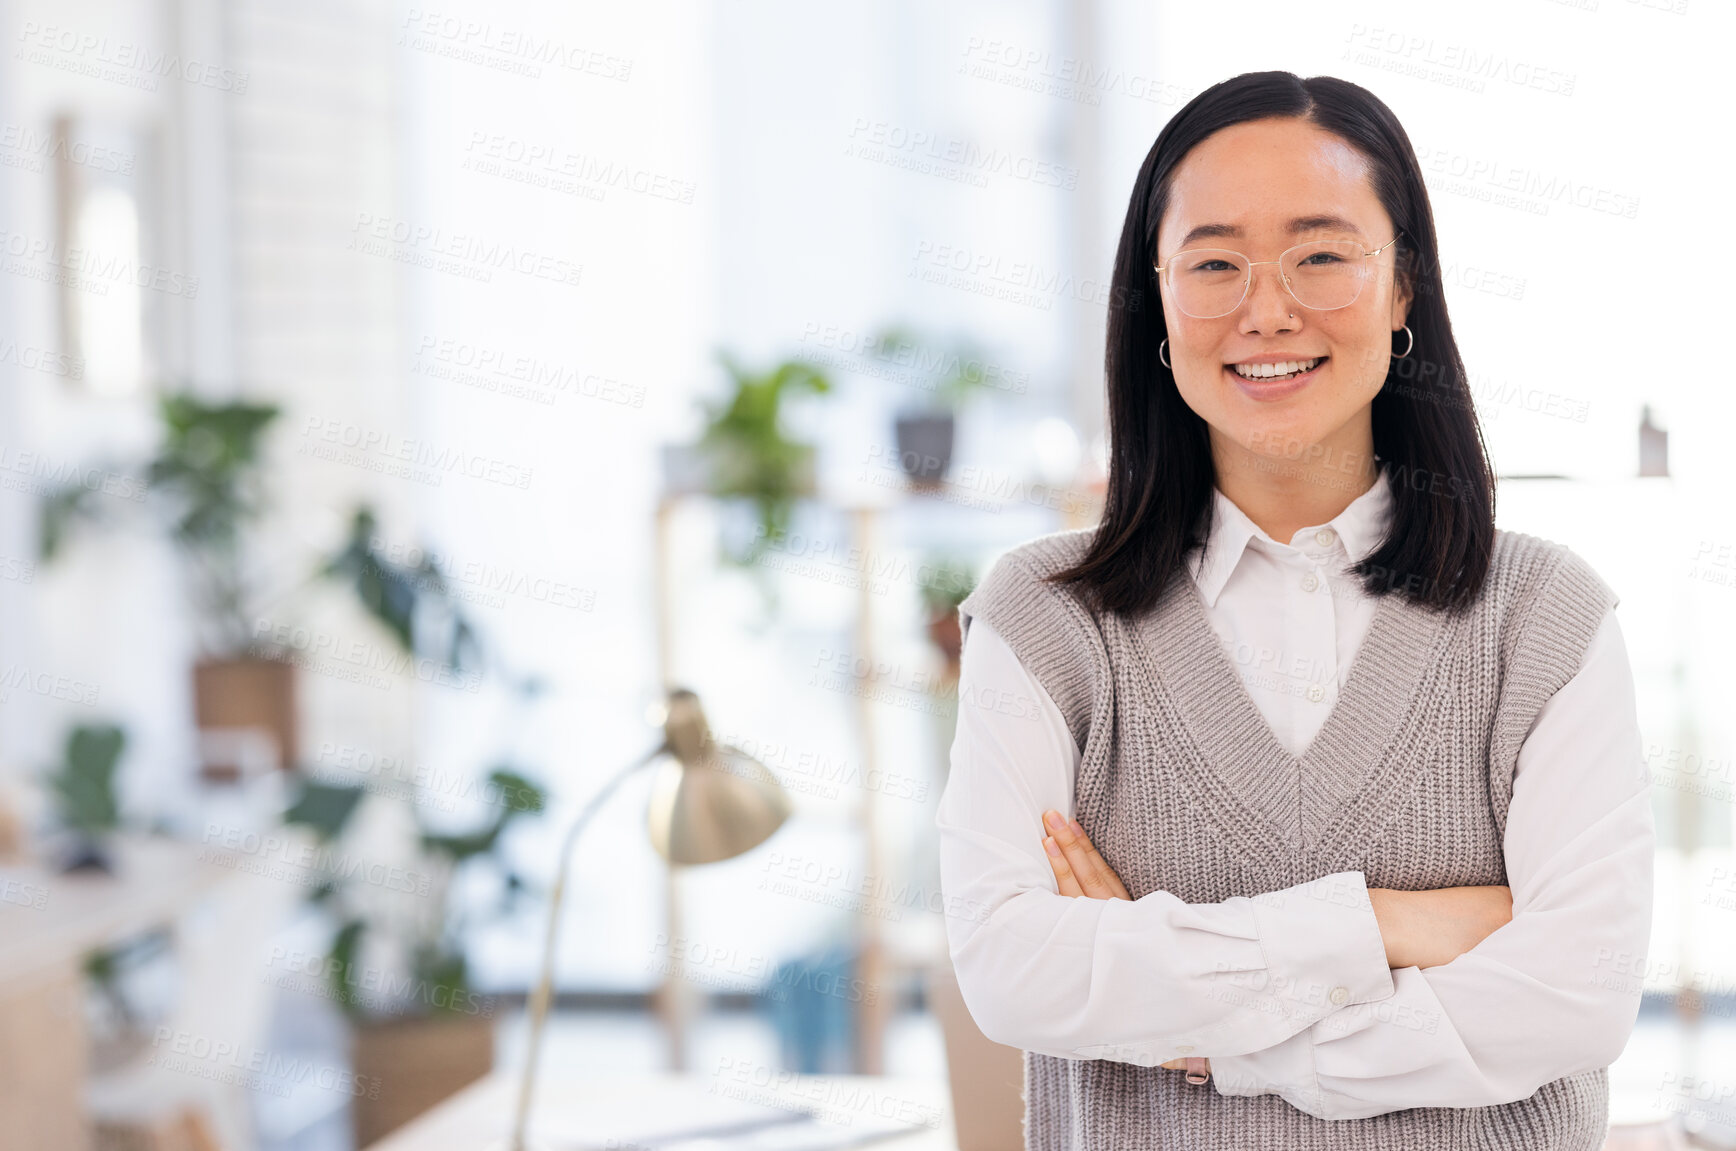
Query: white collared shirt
1134	981
1289	619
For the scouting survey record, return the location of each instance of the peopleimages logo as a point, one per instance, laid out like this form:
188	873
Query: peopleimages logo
390	446
35	359
99	56
283	857
496	369
36	146
321	650
372	986
47	473
47	684
255	1068
923	150
437	248
516	50
96	267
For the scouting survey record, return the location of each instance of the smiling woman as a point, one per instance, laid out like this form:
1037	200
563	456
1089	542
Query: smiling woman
1321	322
1334	790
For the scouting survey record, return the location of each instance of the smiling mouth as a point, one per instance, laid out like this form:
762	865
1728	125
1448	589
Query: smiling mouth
1287	370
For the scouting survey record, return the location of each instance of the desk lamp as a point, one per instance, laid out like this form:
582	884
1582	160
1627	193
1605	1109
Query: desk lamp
709	802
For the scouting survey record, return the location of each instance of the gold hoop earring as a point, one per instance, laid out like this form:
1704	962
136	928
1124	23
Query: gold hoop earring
1161	349
1409	341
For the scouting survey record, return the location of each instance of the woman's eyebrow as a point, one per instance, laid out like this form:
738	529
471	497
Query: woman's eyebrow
1299	224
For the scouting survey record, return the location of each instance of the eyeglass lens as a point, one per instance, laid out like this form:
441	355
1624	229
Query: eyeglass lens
1211	282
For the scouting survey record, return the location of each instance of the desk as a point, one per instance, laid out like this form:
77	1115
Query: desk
48	923
45	917
586	1116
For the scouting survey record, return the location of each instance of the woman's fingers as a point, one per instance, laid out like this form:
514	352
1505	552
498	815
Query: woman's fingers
1078	861
1094	876
1070	879
1105	874
1065	880
1199	1069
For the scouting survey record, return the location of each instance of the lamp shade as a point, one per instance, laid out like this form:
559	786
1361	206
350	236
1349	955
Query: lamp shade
709	801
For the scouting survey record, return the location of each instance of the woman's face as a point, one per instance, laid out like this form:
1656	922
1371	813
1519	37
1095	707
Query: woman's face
1254	179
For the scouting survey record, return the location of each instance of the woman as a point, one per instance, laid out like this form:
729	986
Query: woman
1295	805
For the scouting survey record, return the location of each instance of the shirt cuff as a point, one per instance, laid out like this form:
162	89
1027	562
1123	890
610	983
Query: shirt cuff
1285	1069
1322	944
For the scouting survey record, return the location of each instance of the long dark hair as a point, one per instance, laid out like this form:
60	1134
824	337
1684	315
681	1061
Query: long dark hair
1159	499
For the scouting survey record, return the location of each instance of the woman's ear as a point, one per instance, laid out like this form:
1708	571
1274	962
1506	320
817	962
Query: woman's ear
1401	301
1401	297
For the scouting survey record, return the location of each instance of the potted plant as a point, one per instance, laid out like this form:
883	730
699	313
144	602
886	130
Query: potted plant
925	432
85	803
397	967
944	583
414	603
745	452
206	477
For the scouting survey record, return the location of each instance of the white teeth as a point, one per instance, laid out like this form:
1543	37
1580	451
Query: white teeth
1264	371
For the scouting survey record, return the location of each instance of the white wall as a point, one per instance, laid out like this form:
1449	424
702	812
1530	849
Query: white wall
819	152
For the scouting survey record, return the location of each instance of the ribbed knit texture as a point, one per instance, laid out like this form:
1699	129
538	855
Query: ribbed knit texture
1183	788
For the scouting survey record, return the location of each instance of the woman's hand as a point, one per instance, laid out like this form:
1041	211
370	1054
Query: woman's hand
1418	928
1080	871
1198	1069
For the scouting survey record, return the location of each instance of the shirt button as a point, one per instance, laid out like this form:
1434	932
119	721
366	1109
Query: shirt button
1310	582
1185	1048
1323	537
1339	995
1316	693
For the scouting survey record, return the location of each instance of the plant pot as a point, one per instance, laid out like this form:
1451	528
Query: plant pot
925	445
248	692
83	851
404	1067
944	632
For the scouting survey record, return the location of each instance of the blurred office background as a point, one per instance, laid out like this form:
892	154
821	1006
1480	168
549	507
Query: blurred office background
354	363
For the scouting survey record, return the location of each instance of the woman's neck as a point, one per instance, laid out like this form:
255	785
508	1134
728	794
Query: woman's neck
1282	495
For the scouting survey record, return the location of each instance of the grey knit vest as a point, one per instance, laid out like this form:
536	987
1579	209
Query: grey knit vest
1183	788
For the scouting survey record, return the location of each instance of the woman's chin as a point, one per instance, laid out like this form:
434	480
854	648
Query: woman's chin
1279	442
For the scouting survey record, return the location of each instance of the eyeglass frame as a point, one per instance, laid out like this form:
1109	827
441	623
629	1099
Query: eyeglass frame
1248	282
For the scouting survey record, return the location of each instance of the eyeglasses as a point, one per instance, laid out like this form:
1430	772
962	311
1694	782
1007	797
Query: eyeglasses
1322	275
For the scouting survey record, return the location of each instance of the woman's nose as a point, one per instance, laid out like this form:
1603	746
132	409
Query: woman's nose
1269	304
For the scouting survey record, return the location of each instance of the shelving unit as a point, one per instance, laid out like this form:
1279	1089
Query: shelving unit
878	966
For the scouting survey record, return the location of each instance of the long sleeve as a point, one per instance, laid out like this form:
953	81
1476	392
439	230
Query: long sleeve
1540	998
1139	982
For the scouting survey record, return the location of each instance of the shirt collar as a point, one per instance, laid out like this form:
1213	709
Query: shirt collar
1360	526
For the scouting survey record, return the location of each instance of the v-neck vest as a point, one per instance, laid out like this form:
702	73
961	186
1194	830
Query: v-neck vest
1184	788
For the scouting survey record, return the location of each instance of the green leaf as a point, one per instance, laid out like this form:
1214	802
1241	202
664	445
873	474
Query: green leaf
747	449
205	461
394	594
325	807
518	794
443	971
84	783
465	846
60	509
944	584
346	945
